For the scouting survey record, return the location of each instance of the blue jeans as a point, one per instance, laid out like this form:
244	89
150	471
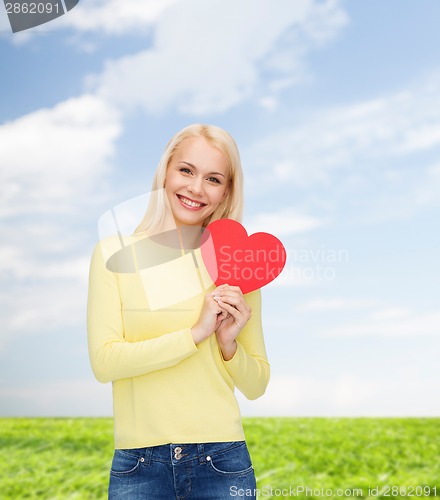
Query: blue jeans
208	471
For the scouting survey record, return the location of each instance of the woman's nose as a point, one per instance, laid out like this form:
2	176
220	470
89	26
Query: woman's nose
196	186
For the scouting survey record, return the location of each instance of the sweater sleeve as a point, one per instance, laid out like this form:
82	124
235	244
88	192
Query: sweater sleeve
111	356
249	367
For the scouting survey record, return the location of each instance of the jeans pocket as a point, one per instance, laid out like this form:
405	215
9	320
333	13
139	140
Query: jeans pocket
234	461
124	462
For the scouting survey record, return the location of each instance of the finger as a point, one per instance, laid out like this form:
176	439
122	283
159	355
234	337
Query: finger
218	289
224	313
215	294
229	309
216	298
214	307
239	316
237	307
234	288
232	299
229	293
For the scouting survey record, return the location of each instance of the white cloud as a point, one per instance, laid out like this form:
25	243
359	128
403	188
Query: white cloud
334	304
395	323
426	191
269	103
53	161
306	266
208	57
293	276
282	223
59	398
115	17
390	313
434	171
45	305
405	395
359	141
346	395
22	265
53	156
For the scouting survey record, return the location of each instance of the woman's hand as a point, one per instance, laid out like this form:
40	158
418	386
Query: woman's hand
235	314
210	317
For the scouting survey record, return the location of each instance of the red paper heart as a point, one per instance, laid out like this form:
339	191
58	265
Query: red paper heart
233	257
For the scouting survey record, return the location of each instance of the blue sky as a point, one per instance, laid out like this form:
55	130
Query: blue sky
334	106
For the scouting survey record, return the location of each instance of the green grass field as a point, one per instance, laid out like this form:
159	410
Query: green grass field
55	458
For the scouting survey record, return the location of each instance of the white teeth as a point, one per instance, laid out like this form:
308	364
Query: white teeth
190	203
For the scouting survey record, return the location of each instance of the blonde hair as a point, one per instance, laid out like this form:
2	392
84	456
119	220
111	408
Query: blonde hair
232	205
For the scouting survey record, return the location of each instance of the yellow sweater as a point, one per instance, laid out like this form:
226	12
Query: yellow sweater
166	389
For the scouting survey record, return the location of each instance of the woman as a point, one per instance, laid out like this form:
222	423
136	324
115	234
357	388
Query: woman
174	365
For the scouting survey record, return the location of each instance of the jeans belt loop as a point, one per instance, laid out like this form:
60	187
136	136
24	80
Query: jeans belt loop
148	454
201	452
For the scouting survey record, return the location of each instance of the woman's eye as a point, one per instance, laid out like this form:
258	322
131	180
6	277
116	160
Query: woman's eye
214	179
185	170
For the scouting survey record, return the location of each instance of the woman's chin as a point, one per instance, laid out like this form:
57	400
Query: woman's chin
189	221
190	218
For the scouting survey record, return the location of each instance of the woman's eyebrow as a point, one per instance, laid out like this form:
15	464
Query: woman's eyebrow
193	166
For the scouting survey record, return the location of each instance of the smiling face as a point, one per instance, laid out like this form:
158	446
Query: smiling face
197	181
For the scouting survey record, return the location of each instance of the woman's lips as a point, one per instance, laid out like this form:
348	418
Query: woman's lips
190	204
